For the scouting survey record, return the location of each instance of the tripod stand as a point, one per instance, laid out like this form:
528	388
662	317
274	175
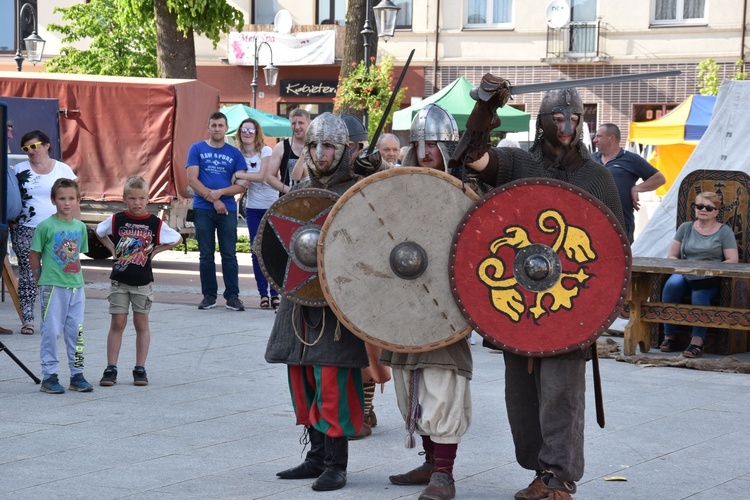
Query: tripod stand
19	363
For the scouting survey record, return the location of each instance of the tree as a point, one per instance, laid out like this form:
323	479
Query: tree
176	23
119	46
708	75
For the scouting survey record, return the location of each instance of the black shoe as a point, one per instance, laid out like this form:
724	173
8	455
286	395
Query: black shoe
235	304
337	457
313	465
139	376
208	302
110	376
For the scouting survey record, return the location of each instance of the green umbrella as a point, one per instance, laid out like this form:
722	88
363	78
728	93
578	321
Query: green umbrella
273	126
455	98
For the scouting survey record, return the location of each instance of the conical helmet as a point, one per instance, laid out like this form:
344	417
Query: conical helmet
433	123
565	101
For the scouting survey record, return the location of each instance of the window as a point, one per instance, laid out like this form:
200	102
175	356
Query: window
264	11
9	24
484	13
331	11
679	11
403	18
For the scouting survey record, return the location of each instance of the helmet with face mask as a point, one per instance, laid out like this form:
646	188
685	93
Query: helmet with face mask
432	123
326	128
565	101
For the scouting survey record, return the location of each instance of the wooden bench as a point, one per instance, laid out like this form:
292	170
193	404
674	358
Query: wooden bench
648	275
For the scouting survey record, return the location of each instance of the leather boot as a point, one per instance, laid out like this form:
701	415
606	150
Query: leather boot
365	431
313	465
534	491
420	475
336	460
441	487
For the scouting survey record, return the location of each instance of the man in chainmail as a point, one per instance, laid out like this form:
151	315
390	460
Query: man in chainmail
324	359
437	381
545	397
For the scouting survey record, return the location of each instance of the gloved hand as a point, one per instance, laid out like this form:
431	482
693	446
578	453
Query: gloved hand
367	164
492	93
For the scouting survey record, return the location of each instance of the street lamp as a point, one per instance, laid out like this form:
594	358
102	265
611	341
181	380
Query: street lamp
34	43
386	25
271	72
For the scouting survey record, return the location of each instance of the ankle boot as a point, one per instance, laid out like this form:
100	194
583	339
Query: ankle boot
336	460
313	465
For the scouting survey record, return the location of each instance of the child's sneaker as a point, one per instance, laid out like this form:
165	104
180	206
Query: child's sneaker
78	383
51	385
110	376
139	376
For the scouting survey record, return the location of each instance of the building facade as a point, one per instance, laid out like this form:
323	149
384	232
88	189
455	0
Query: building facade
524	41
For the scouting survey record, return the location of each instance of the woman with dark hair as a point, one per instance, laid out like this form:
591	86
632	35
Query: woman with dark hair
260	196
704	238
35	179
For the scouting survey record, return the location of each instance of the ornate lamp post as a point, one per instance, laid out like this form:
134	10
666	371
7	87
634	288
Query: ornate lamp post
34	43
271	72
386	24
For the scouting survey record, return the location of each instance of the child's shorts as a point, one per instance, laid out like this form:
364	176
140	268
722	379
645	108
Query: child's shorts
122	295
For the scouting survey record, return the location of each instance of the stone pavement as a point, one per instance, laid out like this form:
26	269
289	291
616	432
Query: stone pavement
216	422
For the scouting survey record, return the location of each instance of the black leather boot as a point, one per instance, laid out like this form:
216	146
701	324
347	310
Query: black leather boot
337	457
314	465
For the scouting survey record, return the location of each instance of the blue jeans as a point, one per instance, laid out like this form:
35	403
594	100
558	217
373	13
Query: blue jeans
677	287
208	225
253	217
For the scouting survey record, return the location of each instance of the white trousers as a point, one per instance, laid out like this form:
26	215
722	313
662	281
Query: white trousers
445	400
62	312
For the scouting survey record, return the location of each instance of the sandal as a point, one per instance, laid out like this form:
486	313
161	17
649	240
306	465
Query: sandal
669	345
264	304
27	329
693	351
275	302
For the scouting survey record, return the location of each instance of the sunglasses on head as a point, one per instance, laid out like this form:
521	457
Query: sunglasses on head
701	206
246	130
31	146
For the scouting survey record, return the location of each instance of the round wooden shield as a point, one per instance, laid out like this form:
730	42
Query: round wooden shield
540	267
287	242
383	257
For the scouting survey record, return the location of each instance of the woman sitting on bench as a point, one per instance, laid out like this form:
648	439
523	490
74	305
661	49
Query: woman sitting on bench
705	238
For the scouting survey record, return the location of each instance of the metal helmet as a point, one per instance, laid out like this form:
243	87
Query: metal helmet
433	123
326	128
565	101
357	131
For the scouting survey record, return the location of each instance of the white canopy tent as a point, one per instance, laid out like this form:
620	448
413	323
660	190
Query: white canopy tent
724	146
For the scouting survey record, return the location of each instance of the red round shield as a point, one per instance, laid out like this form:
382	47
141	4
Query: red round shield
540	267
287	244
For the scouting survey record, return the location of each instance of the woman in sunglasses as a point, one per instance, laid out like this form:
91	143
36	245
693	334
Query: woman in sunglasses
704	238
35	179
260	196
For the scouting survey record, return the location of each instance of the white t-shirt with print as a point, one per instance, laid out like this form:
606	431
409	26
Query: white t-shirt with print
36	190
259	194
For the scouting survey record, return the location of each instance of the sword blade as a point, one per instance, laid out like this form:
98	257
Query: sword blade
588	82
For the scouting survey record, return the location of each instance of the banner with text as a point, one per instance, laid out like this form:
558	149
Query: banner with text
294	49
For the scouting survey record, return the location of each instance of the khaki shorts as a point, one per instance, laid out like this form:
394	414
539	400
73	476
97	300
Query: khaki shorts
122	295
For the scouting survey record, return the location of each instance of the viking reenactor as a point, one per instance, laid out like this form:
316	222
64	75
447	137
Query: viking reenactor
433	387
324	358
544	395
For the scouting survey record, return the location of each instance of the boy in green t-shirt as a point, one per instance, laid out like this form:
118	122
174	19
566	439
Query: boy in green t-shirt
58	243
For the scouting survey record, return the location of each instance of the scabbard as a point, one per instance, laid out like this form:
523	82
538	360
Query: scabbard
598	400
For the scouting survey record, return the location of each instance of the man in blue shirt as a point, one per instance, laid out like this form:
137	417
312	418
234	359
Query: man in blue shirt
211	166
627	168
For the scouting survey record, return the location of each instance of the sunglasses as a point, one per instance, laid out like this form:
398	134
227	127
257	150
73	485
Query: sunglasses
708	208
31	146
245	130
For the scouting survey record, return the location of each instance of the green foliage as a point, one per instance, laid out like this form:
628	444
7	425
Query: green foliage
708	75
118	44
210	18
370	89
243	245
